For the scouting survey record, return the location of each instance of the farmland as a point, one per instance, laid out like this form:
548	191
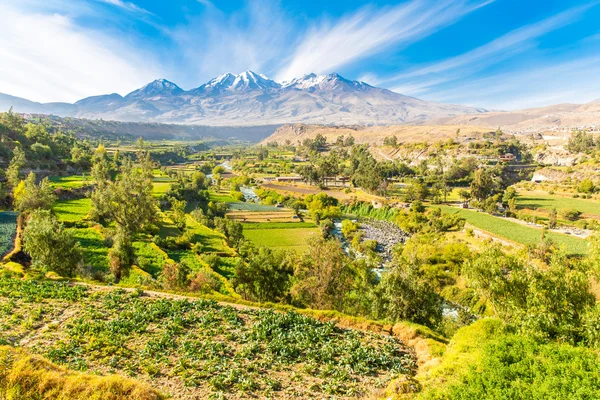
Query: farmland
8	228
516	232
70	182
539	200
72	210
288	236
197	349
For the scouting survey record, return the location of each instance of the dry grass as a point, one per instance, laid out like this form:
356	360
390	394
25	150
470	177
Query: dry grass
24	376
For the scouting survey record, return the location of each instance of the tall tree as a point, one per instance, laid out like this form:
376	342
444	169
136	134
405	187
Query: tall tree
128	202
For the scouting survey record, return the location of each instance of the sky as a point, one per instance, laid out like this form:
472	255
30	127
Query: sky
495	54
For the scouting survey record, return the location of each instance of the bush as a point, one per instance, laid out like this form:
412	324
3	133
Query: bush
570	214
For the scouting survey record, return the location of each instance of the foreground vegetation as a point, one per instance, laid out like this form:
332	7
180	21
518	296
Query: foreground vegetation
199	347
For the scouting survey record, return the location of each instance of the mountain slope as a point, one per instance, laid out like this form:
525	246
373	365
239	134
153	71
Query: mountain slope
253	99
560	118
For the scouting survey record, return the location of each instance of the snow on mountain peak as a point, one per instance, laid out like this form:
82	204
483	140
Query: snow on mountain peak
156	88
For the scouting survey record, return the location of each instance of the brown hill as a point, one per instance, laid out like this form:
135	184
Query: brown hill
559	118
376	134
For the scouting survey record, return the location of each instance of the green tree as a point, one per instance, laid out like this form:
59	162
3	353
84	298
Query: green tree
28	196
50	245
324	275
129	203
264	275
405	294
14	168
178	207
483	184
586	186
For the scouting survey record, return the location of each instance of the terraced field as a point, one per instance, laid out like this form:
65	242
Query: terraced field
72	210
516	232
196	349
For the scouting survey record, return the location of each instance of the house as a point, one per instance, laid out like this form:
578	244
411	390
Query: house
508	157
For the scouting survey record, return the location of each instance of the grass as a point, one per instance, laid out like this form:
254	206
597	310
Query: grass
8	229
197	349
281	238
485	361
26	376
534	200
72	210
69	182
516	232
212	241
160	188
222	197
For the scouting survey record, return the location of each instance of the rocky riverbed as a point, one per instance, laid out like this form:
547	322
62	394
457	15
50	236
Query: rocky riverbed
387	235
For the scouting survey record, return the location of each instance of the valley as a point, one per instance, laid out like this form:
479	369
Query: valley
324	261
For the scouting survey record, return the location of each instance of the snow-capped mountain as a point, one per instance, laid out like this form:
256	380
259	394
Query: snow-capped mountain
253	99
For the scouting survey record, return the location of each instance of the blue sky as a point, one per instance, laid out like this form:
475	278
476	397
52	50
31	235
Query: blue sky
497	54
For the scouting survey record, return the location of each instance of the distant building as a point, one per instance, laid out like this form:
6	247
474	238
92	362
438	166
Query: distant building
289	179
508	157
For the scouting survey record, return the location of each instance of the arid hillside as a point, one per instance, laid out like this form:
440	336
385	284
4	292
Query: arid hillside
559	118
376	134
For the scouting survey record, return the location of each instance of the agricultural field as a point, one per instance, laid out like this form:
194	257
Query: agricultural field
8	230
278	215
542	201
284	236
197	348
516	232
70	182
72	210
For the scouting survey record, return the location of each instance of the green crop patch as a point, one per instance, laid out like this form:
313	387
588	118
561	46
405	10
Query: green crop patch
8	230
70	182
516	232
547	202
206	349
72	210
277	238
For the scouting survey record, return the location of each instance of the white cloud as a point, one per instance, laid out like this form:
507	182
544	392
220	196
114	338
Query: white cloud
46	57
330	46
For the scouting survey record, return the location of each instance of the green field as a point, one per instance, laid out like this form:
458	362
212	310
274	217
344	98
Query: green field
160	187
69	182
222	197
278	225
72	210
289	238
8	228
546	202
95	252
516	232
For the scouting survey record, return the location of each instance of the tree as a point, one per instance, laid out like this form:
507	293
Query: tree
405	294
323	276
586	186
552	218
483	184
265	275
50	245
16	163
28	196
416	191
128	202
178	217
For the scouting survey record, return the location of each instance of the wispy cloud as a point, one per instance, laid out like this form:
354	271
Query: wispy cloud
331	45
126	5
47	57
536	85
424	77
255	37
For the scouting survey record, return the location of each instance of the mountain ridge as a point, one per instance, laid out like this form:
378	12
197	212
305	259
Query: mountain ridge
250	98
